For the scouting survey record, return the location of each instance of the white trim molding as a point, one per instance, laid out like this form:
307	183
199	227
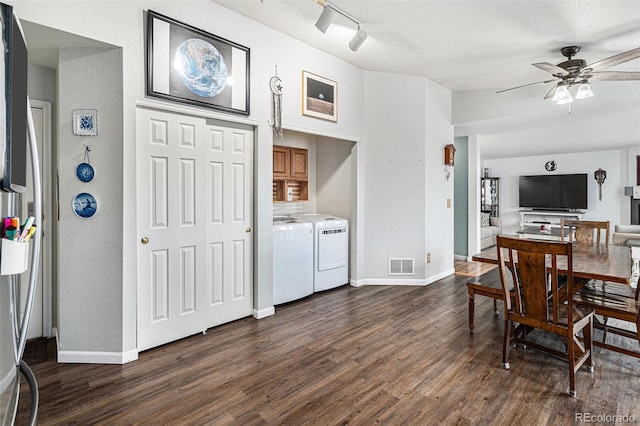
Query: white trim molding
400	282
88	357
263	313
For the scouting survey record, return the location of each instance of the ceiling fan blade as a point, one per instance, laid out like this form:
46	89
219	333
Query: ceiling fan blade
616	59
613	76
525	85
553	69
551	92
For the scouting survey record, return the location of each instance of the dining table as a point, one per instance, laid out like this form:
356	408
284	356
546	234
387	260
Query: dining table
608	263
590	261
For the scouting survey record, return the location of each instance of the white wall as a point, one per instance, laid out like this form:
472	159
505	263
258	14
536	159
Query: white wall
401	139
611	206
42	83
89	274
406	128
521	123
461	198
122	24
438	190
474	165
334	176
42	86
394	134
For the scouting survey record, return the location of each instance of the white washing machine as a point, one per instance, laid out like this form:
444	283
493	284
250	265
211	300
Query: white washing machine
292	259
331	250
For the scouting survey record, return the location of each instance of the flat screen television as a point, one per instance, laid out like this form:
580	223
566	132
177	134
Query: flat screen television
13	108
554	192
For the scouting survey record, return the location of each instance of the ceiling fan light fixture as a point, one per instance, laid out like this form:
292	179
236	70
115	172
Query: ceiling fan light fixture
584	91
562	95
576	72
565	100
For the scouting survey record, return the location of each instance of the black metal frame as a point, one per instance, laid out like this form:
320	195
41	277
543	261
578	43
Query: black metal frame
214	40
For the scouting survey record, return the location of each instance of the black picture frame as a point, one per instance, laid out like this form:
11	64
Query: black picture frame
172	68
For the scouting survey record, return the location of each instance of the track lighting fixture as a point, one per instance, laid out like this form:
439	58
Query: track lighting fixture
325	18
357	40
329	11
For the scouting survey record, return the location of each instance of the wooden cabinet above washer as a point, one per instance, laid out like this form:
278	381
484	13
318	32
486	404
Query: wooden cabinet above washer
299	163
290	174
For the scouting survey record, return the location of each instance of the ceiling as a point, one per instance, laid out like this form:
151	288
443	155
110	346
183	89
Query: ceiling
472	45
488	46
462	45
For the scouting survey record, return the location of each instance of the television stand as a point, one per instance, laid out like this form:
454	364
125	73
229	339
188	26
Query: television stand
534	232
531	218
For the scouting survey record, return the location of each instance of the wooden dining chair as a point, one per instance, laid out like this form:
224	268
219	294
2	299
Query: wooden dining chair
618	301
541	303
585	231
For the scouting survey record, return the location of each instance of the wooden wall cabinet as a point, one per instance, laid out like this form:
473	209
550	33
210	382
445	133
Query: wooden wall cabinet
281	162
299	163
290	174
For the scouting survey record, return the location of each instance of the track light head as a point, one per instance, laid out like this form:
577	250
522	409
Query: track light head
325	18
329	11
357	40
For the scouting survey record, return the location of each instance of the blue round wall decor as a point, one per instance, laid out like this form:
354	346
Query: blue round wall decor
84	205
85	172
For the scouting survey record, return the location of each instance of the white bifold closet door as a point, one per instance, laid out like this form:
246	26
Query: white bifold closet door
195	216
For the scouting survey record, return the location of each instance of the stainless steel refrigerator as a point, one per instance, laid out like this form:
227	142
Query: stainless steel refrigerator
17	140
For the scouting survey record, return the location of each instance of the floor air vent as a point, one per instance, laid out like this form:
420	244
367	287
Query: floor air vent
400	266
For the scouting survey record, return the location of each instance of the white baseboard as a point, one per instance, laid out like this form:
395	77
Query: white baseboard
401	281
441	275
88	357
460	257
388	281
263	313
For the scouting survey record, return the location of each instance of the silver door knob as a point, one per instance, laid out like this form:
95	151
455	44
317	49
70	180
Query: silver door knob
247	230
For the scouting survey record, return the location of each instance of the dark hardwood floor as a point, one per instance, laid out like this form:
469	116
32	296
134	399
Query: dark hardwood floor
391	355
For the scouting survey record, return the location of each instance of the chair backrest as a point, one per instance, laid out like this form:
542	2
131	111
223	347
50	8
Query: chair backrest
533	266
585	231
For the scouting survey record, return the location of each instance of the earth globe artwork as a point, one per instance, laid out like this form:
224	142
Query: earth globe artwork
200	67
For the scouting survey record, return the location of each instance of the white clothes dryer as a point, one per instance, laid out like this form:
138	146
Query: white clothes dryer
292	259
331	250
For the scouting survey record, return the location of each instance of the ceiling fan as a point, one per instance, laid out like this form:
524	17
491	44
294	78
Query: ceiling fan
576	72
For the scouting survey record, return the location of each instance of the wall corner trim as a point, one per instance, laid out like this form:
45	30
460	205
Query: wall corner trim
262	313
89	357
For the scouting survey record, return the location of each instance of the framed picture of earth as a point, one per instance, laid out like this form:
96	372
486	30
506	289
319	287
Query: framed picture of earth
319	97
186	64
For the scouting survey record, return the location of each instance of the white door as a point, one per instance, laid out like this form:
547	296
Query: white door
229	198
40	322
195	192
